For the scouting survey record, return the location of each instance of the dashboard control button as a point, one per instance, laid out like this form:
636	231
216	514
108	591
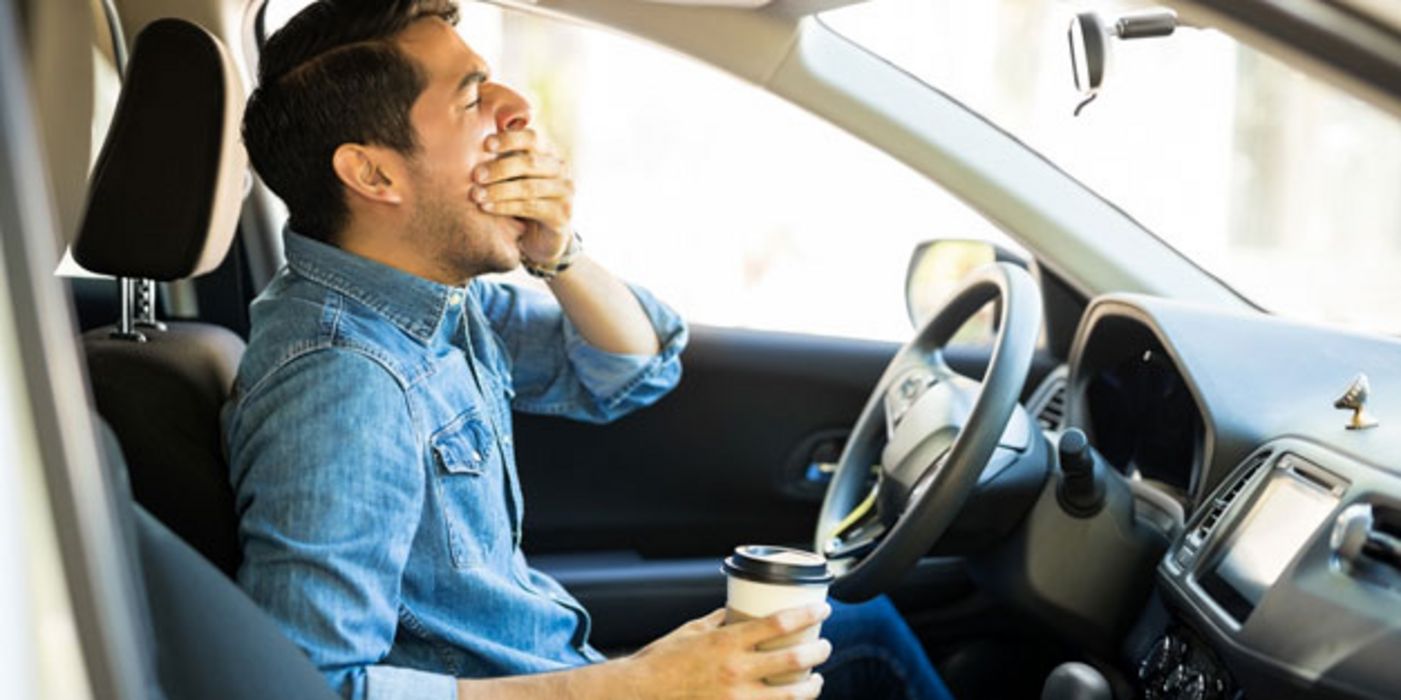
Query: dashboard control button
1178	666
1174	683
1186	556
1194	688
1161	659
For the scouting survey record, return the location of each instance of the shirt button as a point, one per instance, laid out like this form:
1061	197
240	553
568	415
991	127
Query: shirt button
455	297
476	456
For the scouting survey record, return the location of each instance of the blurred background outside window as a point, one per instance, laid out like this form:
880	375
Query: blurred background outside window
730	204
742	210
1282	185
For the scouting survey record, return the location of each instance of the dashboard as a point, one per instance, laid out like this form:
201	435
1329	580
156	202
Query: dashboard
1285	578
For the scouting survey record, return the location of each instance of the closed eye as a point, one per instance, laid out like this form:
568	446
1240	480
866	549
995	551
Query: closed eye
470	83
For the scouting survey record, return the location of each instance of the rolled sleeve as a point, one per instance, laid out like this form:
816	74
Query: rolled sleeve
556	371
625	382
395	683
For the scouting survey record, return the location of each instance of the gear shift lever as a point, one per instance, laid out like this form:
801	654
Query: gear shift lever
1073	680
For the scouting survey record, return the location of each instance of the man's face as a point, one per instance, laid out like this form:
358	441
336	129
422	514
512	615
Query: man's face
458	109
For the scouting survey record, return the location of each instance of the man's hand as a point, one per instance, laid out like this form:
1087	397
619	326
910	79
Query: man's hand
701	659
529	181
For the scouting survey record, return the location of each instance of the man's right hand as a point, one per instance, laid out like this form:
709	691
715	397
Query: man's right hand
702	659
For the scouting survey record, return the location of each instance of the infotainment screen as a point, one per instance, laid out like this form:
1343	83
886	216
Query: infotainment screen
1279	523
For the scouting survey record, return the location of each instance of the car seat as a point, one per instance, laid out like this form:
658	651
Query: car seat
205	638
163	203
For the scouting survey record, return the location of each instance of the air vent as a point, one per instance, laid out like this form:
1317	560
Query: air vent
1221	503
1048	401
1052	415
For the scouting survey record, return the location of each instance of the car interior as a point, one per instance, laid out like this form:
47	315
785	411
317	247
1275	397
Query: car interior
1141	487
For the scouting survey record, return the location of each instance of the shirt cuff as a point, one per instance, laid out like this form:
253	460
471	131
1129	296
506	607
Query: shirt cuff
396	683
613	377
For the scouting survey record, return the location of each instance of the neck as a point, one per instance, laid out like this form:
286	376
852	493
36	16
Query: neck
370	240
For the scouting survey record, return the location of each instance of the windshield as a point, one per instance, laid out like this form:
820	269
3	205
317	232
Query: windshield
1280	184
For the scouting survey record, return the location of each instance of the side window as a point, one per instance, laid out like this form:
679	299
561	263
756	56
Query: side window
734	206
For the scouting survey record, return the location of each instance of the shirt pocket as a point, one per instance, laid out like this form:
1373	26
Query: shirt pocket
469	489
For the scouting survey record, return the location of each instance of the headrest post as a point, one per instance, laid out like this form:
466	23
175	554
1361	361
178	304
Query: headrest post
126	328
145	305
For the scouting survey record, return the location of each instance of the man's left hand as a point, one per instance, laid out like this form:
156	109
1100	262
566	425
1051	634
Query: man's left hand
529	181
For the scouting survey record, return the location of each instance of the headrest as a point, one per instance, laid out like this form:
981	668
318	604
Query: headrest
165	194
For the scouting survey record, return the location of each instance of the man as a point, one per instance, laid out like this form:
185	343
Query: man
370	430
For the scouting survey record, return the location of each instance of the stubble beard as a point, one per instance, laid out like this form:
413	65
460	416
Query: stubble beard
460	244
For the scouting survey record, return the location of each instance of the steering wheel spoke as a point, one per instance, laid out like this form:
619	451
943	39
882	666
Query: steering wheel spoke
862	542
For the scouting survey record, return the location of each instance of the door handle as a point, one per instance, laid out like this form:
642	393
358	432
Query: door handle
811	466
820	472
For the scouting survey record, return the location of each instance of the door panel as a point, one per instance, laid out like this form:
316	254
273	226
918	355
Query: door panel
710	466
723	460
634	517
634	600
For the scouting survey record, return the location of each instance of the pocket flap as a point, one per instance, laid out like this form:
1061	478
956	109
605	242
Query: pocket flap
463	447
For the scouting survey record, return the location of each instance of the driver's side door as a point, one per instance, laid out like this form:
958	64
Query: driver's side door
635	516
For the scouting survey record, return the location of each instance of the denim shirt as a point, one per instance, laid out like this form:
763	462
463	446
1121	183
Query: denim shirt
371	456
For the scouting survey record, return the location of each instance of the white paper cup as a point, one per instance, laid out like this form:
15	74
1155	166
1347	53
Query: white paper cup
762	580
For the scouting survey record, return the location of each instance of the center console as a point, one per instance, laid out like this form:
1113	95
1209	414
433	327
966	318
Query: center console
1287	503
1285	584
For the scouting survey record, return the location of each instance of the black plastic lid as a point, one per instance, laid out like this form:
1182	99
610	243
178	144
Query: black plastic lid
781	565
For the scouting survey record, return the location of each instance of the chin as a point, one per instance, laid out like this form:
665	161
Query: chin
510	245
506	255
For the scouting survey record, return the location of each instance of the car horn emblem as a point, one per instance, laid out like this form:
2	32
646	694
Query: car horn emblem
1355	400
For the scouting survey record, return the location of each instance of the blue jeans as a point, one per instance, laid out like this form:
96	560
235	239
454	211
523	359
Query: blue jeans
875	656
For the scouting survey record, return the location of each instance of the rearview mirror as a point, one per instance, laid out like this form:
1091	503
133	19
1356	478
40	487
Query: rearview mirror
1090	39
938	267
1089	53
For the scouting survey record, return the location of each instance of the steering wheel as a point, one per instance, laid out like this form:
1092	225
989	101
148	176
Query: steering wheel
930	432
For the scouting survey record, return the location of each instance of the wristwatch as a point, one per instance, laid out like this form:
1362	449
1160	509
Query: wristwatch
549	272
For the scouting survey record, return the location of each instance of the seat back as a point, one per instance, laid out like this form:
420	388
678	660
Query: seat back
205	638
163	204
162	397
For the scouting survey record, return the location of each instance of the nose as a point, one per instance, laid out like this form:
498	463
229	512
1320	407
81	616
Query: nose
510	110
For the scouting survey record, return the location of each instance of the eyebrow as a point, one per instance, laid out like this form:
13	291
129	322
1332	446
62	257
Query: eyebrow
470	79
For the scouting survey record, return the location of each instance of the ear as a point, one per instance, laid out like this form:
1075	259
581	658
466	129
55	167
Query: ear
368	172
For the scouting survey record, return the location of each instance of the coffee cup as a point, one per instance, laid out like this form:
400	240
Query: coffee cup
762	580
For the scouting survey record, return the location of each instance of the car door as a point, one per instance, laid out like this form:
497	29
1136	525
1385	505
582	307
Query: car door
635	516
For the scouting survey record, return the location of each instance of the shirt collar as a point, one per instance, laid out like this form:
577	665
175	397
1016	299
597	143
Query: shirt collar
414	304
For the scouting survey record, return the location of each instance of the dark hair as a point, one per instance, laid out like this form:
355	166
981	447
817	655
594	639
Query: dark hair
332	75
